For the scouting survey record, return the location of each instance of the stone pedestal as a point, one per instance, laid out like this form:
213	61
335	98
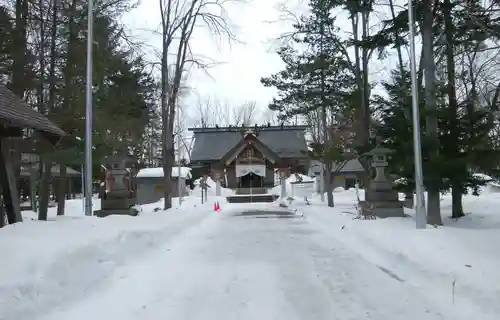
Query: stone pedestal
381	193
117	202
119	198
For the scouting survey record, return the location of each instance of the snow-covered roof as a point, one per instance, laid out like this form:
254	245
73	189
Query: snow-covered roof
158	172
482	176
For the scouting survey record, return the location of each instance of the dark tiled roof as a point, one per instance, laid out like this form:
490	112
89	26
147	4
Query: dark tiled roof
347	166
16	113
213	145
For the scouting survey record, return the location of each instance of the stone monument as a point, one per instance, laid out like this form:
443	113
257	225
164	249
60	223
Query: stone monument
381	194
118	197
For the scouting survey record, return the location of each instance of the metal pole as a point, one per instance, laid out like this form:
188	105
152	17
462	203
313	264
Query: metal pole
179	189
83	187
88	114
421	218
251	180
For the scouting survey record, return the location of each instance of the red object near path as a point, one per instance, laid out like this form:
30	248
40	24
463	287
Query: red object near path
216	206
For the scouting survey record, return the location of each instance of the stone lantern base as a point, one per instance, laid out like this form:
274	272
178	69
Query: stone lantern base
380	194
118	204
384	199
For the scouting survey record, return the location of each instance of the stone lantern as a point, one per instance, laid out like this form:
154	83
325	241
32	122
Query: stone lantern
380	194
379	157
119	196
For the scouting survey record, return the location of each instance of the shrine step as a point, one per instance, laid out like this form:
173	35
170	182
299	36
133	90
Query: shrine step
251	191
252	198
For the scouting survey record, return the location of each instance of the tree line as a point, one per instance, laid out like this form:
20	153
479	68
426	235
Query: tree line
328	80
135	99
43	60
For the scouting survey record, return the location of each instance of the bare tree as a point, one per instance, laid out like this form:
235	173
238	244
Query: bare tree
184	140
212	112
244	115
205	112
271	117
179	18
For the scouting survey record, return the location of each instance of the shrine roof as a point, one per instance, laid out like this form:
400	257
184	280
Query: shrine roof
212	144
16	113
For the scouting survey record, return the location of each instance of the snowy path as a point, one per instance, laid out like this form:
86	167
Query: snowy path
244	267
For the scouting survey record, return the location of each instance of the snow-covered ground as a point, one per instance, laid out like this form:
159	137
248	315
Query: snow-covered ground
456	265
193	263
45	263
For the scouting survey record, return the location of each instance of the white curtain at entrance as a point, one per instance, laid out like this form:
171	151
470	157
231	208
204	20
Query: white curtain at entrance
244	169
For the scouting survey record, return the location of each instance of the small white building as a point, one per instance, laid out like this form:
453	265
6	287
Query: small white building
149	183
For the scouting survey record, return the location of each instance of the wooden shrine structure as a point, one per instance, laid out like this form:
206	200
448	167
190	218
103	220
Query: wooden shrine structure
15	115
248	158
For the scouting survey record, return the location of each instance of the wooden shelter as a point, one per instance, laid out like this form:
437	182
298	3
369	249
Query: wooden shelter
15	114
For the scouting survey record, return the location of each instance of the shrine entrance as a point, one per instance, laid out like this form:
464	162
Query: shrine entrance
251	180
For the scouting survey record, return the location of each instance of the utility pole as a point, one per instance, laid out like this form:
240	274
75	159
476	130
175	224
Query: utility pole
88	114
421	216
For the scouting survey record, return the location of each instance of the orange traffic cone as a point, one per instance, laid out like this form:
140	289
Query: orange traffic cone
218	206
215	206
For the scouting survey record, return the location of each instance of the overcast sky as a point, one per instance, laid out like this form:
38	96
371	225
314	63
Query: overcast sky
237	78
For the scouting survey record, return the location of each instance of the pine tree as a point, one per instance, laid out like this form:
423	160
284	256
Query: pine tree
51	49
317	79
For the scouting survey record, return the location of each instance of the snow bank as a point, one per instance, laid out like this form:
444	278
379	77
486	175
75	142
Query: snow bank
482	176
293	186
44	263
158	172
456	264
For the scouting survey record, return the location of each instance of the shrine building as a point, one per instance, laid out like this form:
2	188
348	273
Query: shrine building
248	158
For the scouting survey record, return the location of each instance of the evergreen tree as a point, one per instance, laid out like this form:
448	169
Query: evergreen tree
316	79
53	77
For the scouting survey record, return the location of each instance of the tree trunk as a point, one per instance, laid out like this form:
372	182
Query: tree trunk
433	176
19	49
324	125
397	37
19	83
365	20
327	162
46	164
457	209
167	182
44	192
454	152
61	190
360	134
165	133
69	93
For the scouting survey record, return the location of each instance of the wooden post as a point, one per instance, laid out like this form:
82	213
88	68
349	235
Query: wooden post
9	185
217	176
202	186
